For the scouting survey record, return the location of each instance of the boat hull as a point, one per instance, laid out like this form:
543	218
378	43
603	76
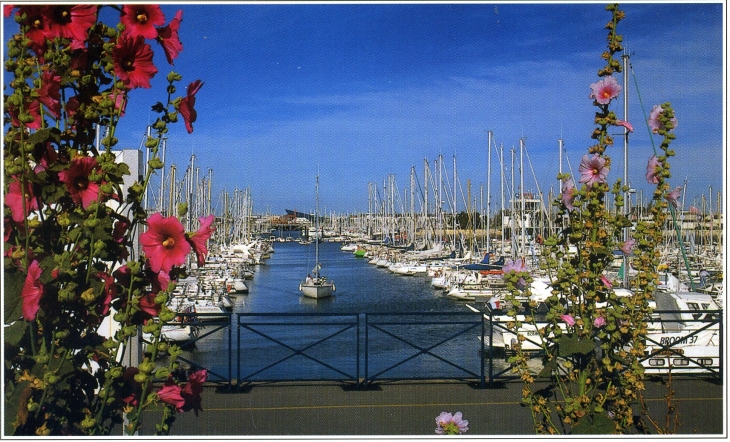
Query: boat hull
317	290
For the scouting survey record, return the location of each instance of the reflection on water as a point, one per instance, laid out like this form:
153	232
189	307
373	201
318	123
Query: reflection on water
412	350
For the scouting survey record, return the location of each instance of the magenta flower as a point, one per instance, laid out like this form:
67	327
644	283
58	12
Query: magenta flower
70	21
32	291
187	105
599	322
673	196
625	124
627	246
164	243
569	194
49	94
191	392
169	38
651	170
606	282
133	62
604	90
170	393
83	191
141	19
198	239
655	123
14	199
593	169
446	423
568	319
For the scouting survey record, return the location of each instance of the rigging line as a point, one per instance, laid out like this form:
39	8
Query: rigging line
643	110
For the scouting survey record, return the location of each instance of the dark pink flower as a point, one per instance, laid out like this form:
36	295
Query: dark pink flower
625	124
119	97
83	191
198	239
141	19
50	93
71	21
568	194
169	38
32	292
38	31
147	304
655	123
673	196
164	243
628	246
192	390
109	292
604	90
133	62
187	105
651	170
447	424
15	197
568	319
33	108
170	393
593	170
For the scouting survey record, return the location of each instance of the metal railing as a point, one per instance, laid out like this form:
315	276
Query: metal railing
369	347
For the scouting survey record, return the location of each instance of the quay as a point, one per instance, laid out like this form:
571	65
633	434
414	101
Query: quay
408	409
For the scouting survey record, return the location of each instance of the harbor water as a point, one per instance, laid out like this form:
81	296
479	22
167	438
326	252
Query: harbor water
270	352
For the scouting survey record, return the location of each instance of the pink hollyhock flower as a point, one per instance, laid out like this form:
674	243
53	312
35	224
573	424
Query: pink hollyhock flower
83	191
568	319
38	29
627	246
170	393
446	423
164	243
133	62
43	156
606	282
71	21
169	38
604	90
33	108
569	194
655	123
187	105
192	390
599	322
651	170
8	10
593	169
673	196
15	197
50	93
625	124
147	304
32	292
110	292
198	239
517	266
141	19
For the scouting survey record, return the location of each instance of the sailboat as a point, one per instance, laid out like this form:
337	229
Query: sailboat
315	285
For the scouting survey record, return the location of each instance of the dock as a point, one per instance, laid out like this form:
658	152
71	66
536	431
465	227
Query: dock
407	409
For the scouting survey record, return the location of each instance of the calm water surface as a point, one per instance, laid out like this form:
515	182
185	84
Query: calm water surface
360	288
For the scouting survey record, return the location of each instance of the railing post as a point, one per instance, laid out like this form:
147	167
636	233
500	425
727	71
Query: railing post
365	379
230	350
357	351
481	353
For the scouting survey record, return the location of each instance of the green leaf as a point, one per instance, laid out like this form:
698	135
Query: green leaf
599	423
569	345
12	334
13	304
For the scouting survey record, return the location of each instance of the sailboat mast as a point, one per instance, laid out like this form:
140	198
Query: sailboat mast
627	195
489	187
316	229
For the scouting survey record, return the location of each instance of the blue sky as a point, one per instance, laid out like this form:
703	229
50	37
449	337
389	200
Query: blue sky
358	92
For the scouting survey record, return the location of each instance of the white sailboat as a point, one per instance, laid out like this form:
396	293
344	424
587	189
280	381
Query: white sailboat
317	286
